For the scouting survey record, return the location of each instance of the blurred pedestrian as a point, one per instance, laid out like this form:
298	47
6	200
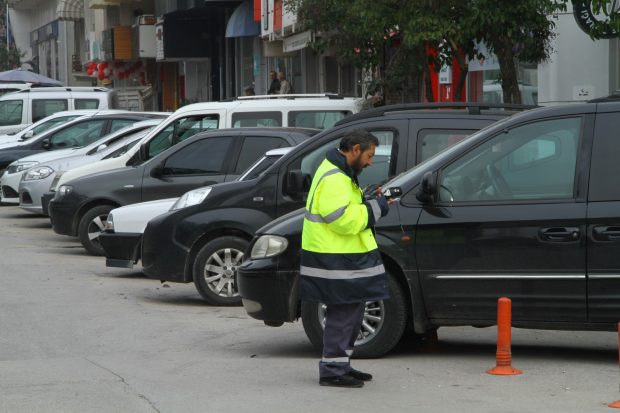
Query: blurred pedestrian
341	266
249	90
372	101
274	86
285	85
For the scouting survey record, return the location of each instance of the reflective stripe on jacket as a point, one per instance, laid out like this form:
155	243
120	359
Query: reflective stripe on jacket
340	261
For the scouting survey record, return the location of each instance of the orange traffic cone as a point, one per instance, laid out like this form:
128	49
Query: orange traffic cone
503	356
616	404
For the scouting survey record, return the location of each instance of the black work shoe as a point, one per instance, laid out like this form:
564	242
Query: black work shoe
360	375
341	381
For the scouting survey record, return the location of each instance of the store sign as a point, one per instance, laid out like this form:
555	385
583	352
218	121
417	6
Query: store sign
297	41
445	75
159	41
597	25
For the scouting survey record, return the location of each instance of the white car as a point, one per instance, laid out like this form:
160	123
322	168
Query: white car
36	181
10	179
125	225
43	125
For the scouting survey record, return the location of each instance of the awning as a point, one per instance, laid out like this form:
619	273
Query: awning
70	10
241	22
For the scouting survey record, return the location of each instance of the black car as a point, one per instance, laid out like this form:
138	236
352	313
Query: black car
81	206
76	133
204	243
527	208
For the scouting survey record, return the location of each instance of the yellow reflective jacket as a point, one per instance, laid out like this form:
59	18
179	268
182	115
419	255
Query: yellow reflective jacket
340	261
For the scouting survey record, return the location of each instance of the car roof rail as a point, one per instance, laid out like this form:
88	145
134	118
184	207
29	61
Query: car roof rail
292	96
473	108
64	88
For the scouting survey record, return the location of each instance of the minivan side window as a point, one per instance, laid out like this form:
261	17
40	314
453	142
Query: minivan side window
320	119
536	161
11	112
42	108
205	156
378	172
433	141
181	129
605	154
256	119
86	103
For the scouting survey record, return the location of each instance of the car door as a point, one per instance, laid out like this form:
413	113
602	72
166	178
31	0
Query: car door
604	221
199	163
509	221
384	162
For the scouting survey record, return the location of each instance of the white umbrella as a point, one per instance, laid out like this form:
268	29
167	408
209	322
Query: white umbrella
20	75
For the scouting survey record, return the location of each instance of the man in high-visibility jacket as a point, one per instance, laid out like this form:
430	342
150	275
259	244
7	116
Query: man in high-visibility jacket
340	263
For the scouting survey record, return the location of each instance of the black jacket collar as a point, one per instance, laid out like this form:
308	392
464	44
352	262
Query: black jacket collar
338	159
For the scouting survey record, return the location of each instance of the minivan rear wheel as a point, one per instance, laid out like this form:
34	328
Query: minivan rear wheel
383	326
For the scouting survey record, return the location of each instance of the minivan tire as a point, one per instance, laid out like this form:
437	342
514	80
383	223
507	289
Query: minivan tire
225	253
394	320
91	225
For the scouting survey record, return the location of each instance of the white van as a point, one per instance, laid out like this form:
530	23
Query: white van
492	93
313	111
20	109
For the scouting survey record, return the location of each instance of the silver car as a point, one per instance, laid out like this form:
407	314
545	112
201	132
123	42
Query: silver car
38	180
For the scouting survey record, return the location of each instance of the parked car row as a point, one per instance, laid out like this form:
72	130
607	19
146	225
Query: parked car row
496	201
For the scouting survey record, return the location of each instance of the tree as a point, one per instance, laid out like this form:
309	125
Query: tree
407	39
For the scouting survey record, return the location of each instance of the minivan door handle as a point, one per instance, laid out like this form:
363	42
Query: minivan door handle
605	233
559	234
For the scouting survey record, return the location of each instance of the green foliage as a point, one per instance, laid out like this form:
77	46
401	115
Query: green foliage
365	33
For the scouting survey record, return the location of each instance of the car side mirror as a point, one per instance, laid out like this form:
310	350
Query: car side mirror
27	135
46	144
428	188
158	171
101	147
297	182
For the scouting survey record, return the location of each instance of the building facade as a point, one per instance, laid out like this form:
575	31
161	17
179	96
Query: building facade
163	54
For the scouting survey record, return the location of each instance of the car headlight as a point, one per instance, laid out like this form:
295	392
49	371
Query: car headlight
268	246
65	190
190	198
18	166
38	173
109	223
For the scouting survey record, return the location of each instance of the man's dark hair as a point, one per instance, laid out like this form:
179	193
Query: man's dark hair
358	136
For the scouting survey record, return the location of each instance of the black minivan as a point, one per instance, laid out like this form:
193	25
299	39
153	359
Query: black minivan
528	208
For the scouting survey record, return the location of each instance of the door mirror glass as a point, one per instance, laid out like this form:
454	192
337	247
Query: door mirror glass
428	188
46	144
297	182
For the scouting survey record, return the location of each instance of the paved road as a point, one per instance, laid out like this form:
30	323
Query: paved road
76	336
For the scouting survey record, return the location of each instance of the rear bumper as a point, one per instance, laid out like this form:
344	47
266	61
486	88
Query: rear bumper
121	249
